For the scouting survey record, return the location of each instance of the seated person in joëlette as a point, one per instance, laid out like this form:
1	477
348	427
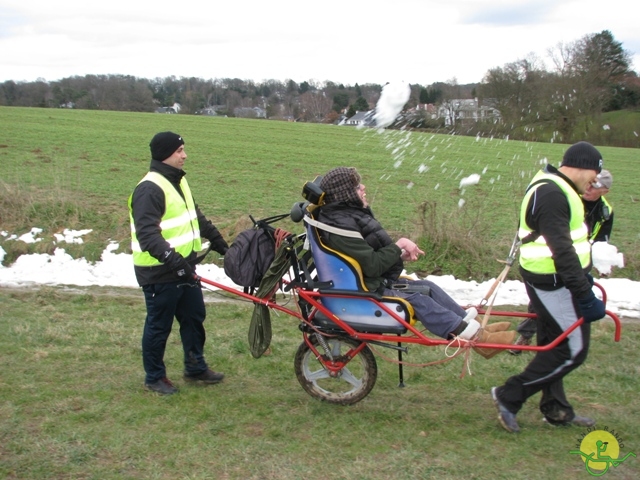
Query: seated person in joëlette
381	260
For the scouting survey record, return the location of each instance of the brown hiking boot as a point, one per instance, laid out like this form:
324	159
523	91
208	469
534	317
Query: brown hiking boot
497	327
483	336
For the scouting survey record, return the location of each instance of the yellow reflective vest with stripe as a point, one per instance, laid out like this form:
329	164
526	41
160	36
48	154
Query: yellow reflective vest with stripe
535	254
179	224
598	225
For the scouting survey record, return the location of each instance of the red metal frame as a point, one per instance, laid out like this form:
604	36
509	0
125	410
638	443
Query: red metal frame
413	335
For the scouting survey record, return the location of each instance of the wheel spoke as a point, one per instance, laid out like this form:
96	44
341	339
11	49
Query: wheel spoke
316	375
347	376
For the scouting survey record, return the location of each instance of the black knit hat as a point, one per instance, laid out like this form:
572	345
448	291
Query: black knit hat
582	155
341	185
164	144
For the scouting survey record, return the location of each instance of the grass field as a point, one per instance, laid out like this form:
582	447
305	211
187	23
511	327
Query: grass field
72	404
76	169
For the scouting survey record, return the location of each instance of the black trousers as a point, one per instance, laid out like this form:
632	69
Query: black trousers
164	302
556	312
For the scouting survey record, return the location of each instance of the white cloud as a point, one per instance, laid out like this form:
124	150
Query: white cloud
351	42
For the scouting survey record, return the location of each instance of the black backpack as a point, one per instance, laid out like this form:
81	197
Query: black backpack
251	254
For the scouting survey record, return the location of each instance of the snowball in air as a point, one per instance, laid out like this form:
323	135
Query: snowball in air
394	96
472	179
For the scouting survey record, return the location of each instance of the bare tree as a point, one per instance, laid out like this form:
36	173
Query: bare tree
515	91
589	73
450	106
315	105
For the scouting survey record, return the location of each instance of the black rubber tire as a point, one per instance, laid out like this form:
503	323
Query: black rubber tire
354	381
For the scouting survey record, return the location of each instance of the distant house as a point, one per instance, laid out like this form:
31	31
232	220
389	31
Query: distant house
424	108
175	108
208	111
464	110
250	112
364	119
340	120
165	110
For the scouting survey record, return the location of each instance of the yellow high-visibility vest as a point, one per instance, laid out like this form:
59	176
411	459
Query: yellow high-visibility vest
598	225
179	224
535	256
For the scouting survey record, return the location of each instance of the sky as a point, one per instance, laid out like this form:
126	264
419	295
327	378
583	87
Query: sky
116	270
352	41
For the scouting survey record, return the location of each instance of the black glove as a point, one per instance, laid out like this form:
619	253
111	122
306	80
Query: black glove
592	308
218	244
179	265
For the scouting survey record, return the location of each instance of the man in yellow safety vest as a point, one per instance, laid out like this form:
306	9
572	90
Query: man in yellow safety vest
166	227
555	259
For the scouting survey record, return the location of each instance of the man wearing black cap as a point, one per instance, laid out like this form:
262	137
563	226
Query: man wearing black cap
598	216
166	227
555	259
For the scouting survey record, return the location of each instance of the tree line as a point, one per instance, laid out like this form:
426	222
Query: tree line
306	101
588	77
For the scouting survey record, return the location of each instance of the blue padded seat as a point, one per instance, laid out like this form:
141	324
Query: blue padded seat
345	275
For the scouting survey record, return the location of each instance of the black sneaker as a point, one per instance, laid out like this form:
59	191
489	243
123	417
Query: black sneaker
506	418
162	386
208	376
578	421
583	421
520	341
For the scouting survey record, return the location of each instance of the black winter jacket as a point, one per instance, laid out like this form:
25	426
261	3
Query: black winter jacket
548	214
148	206
594	213
377	254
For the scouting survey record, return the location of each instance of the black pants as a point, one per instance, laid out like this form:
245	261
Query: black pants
164	302
556	313
527	328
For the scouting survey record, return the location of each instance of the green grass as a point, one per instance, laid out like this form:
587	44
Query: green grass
620	127
76	169
73	405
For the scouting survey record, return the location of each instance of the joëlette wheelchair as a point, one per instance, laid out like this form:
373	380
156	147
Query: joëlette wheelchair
340	319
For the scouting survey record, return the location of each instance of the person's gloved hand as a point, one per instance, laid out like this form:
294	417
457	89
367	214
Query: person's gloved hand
591	308
180	266
218	244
